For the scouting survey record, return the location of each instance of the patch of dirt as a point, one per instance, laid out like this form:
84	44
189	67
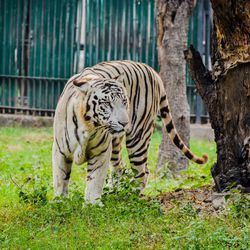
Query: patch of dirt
14	148
35	138
203	200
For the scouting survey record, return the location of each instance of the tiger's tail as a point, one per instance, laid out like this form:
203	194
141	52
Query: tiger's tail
173	134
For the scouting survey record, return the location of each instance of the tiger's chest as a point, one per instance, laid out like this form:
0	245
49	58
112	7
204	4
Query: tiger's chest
96	144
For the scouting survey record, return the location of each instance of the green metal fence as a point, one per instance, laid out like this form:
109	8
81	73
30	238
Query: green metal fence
120	30
44	42
36	53
200	28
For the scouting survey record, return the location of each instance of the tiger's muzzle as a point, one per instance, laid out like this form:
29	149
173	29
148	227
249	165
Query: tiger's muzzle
120	128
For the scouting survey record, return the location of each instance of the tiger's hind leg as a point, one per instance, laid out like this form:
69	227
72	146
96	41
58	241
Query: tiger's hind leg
137	145
61	171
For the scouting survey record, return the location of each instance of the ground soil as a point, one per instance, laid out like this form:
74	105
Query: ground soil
202	200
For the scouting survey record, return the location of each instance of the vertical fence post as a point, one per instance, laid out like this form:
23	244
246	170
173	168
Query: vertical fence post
200	48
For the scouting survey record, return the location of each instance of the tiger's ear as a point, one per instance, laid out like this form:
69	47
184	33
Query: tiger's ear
83	84
119	78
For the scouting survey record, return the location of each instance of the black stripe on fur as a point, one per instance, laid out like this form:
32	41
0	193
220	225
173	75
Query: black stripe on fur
164	111
169	126
177	141
138	163
163	98
74	118
189	155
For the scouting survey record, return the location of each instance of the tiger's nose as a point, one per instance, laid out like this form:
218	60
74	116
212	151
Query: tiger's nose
123	123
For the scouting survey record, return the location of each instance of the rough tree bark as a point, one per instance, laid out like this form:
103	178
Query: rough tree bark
172	29
226	92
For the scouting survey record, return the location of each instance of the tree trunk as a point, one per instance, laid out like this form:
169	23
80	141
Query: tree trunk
226	92
172	28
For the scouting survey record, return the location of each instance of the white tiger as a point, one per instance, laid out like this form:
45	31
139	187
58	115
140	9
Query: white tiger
97	108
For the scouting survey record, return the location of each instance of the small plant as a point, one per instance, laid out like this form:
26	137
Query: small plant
123	184
239	205
188	210
37	195
124	193
31	191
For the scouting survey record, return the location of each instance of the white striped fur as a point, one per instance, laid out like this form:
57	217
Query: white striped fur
97	108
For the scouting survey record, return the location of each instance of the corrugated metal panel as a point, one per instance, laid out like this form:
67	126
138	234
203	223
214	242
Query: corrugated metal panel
10	56
120	30
37	52
51	49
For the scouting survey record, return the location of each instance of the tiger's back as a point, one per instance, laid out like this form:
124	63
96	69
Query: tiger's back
143	85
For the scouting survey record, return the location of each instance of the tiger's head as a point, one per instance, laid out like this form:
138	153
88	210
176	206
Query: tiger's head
106	102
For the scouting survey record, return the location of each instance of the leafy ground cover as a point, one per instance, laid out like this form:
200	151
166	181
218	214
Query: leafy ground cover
175	213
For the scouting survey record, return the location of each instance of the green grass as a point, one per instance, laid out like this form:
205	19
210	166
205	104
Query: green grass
30	219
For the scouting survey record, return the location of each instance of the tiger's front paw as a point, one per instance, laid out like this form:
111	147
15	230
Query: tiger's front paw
79	156
96	202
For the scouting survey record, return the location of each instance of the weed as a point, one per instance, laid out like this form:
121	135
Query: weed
239	205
